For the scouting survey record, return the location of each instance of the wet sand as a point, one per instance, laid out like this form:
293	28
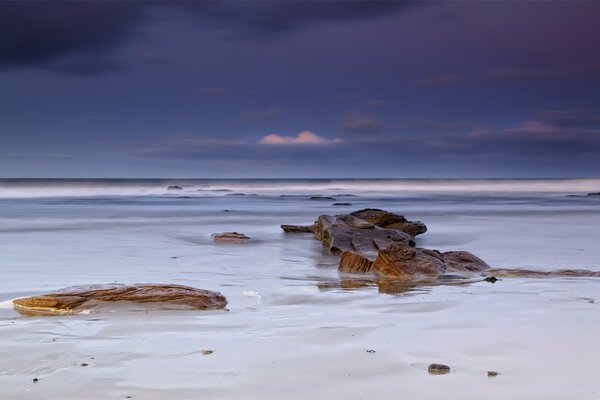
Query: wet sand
283	336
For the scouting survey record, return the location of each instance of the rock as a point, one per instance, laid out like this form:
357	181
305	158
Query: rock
464	261
355	263
174	187
35	380
347	233
492	374
207	352
329	198
385	219
230	238
342	204
438	369
408	263
77	298
297	228
528	273
491	279
594	194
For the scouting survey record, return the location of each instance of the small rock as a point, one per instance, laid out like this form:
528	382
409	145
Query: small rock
491	279
594	194
84	364
342	204
322	198
492	374
207	352
230	237
174	187
438	369
35	380
371	351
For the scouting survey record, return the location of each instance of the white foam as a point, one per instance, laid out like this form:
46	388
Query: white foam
204	188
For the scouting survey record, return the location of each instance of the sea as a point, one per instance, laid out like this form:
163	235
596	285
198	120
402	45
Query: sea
289	331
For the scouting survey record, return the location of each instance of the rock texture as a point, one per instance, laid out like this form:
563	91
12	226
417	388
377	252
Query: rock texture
407	263
230	238
77	298
390	220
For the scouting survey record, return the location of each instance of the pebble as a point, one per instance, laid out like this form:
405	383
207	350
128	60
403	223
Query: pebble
370	351
207	352
492	374
491	279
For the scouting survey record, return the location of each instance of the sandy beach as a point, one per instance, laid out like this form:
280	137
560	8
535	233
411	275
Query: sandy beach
284	333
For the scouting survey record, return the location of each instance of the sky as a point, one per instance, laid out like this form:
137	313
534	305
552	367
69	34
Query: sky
278	89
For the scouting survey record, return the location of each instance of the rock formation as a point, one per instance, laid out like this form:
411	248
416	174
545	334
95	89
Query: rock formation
381	245
77	298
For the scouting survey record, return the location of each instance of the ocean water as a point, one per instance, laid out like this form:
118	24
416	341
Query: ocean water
283	329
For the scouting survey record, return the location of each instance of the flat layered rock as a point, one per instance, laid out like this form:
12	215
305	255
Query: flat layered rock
297	228
230	238
530	273
160	296
385	219
347	233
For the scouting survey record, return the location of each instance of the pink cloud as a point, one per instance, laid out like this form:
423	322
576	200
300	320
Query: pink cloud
306	137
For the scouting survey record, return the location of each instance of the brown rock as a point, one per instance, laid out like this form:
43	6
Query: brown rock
464	261
297	228
77	298
528	273
355	263
230	238
385	219
343	233
408	263
438	369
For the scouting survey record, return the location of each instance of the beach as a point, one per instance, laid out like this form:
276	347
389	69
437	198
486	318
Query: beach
289	332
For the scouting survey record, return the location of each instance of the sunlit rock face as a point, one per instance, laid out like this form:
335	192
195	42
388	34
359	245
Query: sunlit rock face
153	296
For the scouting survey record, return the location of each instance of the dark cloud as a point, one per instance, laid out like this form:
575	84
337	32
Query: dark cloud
514	74
440	80
363	124
267	114
37	33
574	117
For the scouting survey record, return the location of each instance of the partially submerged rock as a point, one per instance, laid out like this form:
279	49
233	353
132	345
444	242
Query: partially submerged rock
230	238
174	187
297	228
367	218
381	245
530	273
463	261
78	298
327	198
342	204
438	369
406	263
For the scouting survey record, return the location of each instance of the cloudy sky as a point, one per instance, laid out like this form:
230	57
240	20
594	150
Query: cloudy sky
299	89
